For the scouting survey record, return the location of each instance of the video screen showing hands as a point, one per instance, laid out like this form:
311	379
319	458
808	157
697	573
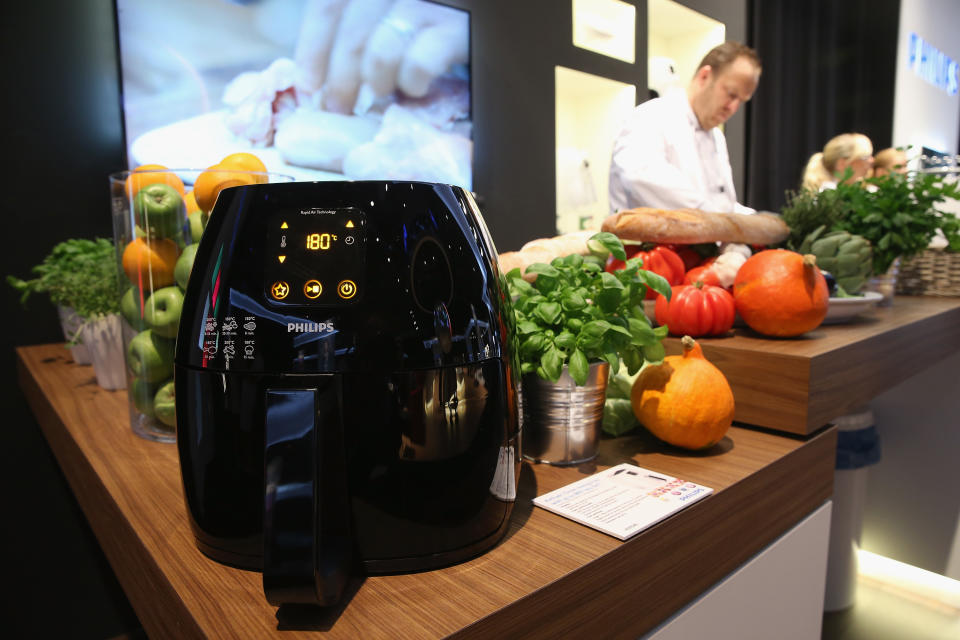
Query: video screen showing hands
319	89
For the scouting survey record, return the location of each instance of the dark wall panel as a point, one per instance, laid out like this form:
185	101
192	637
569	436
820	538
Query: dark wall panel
61	137
829	68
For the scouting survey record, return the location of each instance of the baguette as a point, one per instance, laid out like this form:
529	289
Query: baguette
691	226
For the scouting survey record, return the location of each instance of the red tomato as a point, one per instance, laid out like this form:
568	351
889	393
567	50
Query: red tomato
703	274
690	257
696	311
664	262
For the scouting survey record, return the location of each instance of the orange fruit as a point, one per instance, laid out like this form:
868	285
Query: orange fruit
190	202
244	161
149	264
150	174
211	182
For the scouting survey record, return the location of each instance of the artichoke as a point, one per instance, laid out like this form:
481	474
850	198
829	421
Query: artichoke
849	258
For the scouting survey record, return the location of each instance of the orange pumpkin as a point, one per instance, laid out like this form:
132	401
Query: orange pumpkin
781	293
685	401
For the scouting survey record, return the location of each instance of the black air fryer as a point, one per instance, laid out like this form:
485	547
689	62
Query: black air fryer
346	398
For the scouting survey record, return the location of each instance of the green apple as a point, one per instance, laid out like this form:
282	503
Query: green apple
162	311
198	222
159	209
181	271
142	392
130	309
150	357
165	406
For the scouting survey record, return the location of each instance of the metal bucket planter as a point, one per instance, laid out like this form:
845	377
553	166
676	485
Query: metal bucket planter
561	421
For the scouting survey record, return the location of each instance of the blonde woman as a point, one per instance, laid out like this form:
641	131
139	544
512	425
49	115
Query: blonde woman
853	150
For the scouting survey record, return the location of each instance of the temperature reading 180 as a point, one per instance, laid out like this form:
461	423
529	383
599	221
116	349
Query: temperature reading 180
319	241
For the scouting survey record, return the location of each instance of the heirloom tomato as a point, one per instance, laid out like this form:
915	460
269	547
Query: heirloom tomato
696	310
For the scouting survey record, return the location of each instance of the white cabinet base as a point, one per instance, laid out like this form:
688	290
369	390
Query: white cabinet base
776	594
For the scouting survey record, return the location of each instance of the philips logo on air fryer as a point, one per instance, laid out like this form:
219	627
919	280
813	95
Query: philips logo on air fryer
309	327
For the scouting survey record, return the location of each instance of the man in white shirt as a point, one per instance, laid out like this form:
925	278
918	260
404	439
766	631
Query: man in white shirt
670	153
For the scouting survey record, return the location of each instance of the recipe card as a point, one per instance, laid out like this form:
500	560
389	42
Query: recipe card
623	500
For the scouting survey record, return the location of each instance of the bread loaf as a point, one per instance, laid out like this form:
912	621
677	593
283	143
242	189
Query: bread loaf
545	250
691	226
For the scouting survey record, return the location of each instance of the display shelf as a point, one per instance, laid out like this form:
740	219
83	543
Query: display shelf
549	577
800	384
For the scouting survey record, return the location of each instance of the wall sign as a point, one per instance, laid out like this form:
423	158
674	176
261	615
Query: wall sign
933	65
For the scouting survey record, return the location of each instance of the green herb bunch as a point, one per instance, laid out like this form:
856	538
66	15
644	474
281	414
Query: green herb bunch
898	214
806	210
575	312
78	273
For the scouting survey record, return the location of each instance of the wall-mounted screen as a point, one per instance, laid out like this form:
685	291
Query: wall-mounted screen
318	89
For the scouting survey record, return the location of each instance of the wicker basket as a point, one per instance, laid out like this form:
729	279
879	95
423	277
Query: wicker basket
933	272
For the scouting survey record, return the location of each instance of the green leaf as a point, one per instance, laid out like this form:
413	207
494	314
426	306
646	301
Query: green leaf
613	358
573	301
566	341
610	281
609	299
656	282
579	367
633	359
654	353
526	326
552	364
641	332
574	260
546	284
543	269
609	242
531	348
549	312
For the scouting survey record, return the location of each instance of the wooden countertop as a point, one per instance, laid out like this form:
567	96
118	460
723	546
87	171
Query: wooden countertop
800	384
550	577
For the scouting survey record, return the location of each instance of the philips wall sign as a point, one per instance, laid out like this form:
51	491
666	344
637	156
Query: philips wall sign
933	65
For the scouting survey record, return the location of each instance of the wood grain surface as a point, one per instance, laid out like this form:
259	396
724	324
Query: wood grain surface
550	577
800	384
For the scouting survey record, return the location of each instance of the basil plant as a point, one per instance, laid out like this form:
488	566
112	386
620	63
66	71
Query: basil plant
574	312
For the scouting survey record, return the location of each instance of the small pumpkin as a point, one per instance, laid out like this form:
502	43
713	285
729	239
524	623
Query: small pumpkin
781	293
685	401
696	310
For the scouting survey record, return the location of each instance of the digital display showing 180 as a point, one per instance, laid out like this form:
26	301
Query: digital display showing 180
315	257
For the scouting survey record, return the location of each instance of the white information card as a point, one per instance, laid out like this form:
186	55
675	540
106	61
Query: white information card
623	500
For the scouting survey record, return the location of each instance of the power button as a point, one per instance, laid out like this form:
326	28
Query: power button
347	289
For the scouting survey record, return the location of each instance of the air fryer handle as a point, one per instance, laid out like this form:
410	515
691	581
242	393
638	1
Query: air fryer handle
307	548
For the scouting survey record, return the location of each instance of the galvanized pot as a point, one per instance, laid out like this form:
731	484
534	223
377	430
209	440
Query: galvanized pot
561	421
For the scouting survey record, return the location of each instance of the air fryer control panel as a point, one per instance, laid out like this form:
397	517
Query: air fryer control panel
315	257
343	276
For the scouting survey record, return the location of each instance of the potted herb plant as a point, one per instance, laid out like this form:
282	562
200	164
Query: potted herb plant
575	323
80	276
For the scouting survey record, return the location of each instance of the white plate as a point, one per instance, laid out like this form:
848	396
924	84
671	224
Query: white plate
844	309
840	310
